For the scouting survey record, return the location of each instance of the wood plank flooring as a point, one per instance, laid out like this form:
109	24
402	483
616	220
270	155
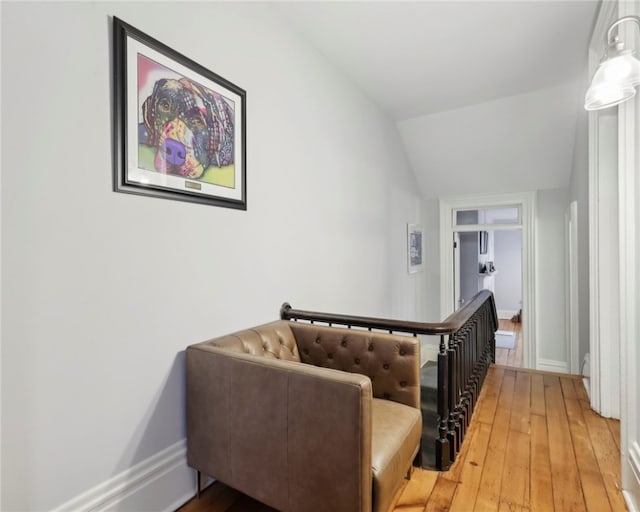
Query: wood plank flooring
534	444
510	357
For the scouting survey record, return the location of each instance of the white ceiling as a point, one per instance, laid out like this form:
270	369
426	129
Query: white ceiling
427	64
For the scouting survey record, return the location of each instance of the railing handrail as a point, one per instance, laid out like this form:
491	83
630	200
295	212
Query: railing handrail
450	325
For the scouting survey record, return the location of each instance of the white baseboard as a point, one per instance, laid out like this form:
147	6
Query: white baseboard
634	461
587	386
550	365
507	314
631	504
163	482
631	494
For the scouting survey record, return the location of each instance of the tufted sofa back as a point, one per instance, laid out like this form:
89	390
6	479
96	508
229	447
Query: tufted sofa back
274	340
388	360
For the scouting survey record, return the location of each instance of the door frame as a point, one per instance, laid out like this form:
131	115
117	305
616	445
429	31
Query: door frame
629	193
456	270
526	201
572	287
614	324
604	251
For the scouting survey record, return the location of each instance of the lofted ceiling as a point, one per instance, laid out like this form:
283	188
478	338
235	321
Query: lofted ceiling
482	92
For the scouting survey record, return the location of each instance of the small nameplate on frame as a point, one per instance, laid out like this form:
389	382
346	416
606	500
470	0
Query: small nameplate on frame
192	185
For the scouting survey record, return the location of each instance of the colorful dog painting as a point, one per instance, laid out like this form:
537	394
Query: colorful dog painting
190	127
179	129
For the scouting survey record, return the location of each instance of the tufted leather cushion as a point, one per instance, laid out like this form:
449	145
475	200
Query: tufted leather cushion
388	360
273	340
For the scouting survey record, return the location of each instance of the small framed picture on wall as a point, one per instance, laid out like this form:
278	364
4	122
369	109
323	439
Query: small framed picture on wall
415	260
484	241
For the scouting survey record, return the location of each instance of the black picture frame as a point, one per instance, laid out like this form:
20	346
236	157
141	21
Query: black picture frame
483	241
415	262
186	140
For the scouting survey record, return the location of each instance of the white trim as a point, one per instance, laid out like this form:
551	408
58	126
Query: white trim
585	383
163	482
629	220
527	203
634	464
507	314
550	365
603	254
634	460
594	318
629	325
486	227
572	308
631	505
606	15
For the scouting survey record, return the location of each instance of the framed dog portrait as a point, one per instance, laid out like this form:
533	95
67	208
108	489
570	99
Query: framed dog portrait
414	248
180	129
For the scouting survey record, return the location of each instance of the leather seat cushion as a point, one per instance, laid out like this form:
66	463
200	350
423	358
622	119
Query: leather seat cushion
396	432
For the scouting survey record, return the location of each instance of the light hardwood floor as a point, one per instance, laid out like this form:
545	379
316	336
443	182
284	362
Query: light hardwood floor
533	444
510	357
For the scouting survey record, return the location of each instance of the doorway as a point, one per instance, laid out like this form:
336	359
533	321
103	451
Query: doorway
480	221
492	260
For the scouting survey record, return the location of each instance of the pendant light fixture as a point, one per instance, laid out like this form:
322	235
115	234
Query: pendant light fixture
618	74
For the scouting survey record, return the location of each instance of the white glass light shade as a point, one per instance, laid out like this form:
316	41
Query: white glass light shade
613	82
607	95
622	68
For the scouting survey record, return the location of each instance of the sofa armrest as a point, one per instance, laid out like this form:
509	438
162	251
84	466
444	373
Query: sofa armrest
282	432
392	362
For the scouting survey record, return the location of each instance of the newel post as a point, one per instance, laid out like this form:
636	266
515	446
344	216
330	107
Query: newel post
443	447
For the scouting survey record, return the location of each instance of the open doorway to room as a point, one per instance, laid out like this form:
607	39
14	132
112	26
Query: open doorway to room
507	259
494	249
492	260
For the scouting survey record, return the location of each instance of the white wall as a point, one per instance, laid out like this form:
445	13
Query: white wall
507	246
409	292
579	188
486	149
432	259
103	291
550	275
522	142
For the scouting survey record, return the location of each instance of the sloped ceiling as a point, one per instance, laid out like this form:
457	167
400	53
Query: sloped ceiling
485	94
513	144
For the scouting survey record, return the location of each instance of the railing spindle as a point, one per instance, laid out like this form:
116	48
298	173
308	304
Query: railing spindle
443	448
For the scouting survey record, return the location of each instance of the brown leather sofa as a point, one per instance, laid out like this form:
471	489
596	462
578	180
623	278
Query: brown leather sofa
306	418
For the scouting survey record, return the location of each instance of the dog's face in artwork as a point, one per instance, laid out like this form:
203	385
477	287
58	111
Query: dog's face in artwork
190	126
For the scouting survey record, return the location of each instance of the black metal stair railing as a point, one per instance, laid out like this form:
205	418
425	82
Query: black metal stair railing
466	350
